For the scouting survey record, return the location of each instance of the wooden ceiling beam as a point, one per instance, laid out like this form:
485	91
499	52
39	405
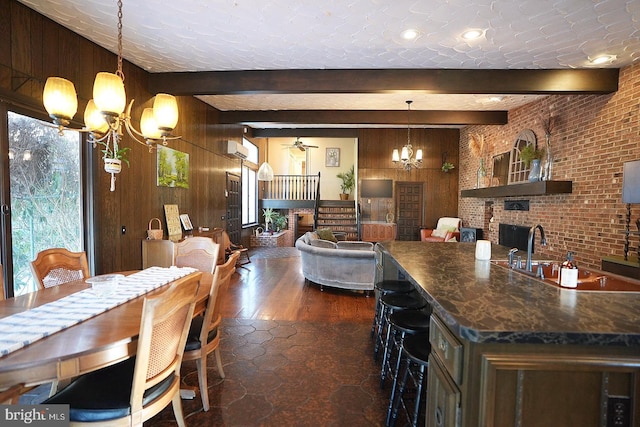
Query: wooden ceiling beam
363	118
453	81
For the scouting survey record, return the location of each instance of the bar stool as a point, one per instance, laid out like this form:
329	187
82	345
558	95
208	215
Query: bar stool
409	394
385	287
401	324
389	304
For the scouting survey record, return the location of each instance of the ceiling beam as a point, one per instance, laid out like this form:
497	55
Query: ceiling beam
453	81
363	118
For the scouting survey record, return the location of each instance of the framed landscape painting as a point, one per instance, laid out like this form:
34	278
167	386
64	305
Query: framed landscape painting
173	168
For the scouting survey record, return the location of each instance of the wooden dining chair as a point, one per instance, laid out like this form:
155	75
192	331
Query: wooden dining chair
53	267
204	334
12	394
230	247
200	253
132	391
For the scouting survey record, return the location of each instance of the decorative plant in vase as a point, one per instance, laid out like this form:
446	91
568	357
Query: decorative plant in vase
269	216
348	183
479	149
548	122
280	221
531	156
446	167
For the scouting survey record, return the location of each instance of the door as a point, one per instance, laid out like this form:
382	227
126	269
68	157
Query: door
409	207
234	207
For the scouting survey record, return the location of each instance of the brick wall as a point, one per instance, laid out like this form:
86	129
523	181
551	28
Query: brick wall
593	137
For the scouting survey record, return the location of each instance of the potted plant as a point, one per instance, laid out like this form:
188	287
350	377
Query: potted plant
530	153
446	166
280	221
348	183
113	159
269	215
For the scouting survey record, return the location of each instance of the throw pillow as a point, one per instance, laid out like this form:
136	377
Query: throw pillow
453	239
320	243
326	234
440	232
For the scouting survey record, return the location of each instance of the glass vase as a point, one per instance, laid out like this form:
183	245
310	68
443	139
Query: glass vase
482	173
534	172
547	168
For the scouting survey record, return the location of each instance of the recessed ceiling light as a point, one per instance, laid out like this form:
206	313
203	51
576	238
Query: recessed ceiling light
472	34
602	59
410	34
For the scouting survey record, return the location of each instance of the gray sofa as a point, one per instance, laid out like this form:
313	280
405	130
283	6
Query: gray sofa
344	264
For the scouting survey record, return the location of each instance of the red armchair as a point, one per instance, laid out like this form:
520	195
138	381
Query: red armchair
446	229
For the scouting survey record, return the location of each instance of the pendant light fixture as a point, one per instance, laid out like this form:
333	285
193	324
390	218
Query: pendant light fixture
107	116
404	158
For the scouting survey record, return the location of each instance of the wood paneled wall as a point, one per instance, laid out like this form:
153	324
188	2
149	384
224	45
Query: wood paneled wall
32	48
441	189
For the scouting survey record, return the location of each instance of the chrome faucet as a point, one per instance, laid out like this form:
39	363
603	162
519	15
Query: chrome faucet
543	242
512	254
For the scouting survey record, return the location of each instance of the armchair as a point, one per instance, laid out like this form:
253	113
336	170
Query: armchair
446	229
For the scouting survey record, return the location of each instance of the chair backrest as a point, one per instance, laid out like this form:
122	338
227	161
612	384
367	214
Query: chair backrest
221	279
53	267
163	332
449	222
200	253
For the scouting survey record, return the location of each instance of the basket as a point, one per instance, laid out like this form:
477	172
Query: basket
154	233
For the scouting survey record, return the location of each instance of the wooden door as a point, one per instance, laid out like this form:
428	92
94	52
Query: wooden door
234	207
409	206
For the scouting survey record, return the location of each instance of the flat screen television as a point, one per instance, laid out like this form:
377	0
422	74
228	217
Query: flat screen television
631	182
376	188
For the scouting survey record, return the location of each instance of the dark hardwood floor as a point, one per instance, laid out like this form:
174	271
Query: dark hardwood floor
275	289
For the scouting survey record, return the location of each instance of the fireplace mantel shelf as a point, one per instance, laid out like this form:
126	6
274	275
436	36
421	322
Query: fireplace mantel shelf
538	188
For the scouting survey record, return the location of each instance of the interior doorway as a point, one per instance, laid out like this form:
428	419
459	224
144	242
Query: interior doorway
234	207
409	209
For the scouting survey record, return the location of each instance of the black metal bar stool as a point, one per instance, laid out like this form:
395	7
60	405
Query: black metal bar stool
401	324
386	287
410	395
389	304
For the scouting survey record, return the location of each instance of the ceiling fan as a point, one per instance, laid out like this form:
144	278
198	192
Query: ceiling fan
300	145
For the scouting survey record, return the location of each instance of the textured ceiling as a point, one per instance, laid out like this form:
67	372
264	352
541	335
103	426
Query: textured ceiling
201	35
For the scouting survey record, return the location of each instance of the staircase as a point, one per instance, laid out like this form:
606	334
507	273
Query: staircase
339	216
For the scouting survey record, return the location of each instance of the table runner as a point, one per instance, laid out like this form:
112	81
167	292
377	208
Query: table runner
21	329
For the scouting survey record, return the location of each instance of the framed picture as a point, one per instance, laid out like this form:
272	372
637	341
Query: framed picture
173	221
172	168
186	222
332	157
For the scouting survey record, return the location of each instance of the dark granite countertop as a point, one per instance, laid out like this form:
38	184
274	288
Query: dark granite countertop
487	303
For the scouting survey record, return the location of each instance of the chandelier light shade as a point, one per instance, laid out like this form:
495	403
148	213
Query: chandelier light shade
165	111
265	172
60	100
108	94
107	116
404	157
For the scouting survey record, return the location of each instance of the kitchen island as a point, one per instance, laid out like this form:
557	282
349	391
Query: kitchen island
510	350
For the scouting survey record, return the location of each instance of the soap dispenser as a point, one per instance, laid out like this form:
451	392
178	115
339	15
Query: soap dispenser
569	272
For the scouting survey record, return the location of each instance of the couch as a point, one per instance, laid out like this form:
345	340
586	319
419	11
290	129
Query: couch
447	230
342	264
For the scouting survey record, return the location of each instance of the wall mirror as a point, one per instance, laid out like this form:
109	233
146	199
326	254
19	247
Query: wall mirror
518	172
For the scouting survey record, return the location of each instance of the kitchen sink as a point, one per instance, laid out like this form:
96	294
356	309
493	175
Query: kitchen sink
588	279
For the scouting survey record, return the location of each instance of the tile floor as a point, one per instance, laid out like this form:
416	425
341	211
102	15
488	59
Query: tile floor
282	373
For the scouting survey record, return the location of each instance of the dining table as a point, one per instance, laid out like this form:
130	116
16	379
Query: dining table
100	341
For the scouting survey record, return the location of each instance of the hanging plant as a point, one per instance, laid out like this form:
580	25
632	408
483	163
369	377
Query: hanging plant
446	166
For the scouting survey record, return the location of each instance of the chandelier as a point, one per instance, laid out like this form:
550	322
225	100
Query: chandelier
405	158
105	117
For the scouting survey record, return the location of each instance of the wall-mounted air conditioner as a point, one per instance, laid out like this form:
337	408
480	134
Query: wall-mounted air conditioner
237	150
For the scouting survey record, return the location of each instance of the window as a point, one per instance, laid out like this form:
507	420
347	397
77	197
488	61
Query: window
250	185
45	193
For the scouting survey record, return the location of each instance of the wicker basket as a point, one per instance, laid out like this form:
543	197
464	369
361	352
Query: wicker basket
154	233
